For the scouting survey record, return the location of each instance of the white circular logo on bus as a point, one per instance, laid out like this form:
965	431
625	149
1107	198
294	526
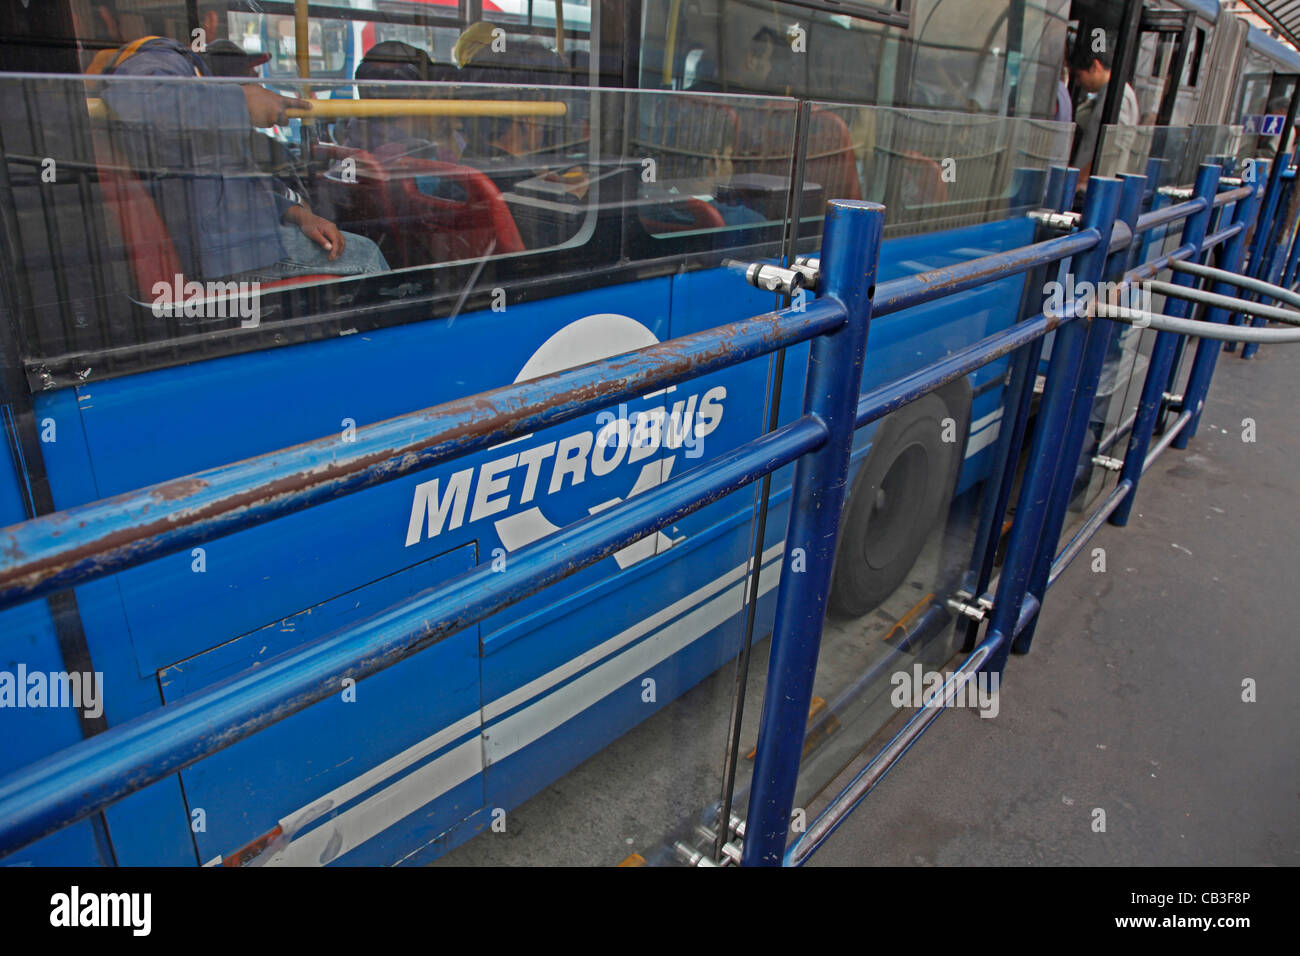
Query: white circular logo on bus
590	339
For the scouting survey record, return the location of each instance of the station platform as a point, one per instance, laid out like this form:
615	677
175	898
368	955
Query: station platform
1131	699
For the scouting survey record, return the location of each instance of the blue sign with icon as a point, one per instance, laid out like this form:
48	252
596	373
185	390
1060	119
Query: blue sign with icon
1264	124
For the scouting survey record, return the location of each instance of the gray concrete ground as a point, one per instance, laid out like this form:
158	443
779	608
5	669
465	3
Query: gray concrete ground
1131	700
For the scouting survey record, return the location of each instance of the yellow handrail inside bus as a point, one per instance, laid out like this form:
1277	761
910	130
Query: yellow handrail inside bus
337	109
559	27
334	109
301	41
670	42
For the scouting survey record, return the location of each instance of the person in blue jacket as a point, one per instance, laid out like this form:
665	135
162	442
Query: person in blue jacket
189	140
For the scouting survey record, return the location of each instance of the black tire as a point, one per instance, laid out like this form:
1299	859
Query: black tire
900	492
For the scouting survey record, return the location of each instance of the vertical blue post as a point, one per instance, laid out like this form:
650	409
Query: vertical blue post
1122	203
1099	208
1281	232
850	251
1292	259
1071	185
1261	256
1054	196
1153	181
1018	398
1264	224
1279	202
1207	351
1256	168
1207	185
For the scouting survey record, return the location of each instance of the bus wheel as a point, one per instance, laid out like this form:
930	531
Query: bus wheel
899	494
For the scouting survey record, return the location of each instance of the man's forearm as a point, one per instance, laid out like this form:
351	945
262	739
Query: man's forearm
290	212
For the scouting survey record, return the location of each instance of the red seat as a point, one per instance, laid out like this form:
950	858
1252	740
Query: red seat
831	160
703	215
442	229
150	252
921	182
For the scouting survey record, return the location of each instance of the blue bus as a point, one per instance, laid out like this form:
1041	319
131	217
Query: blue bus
535	214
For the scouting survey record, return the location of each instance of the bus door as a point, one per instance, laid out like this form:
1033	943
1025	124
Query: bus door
1156	52
1166	73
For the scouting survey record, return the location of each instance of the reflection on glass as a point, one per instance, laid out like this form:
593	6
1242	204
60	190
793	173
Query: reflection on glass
977	55
1168	155
932	170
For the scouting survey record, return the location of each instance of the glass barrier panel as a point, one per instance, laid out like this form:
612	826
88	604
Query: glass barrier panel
975	56
487	235
933	170
1169	156
956	187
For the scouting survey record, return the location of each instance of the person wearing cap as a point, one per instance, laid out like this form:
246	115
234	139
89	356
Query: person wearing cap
226	58
225	217
476	37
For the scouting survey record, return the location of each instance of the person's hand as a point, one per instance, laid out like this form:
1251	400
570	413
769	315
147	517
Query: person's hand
318	229
269	109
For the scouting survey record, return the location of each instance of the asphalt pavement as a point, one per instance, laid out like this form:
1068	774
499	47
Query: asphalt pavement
1131	700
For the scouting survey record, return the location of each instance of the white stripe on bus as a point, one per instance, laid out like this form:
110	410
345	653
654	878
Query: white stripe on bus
591	689
533	722
988	419
570	667
985	438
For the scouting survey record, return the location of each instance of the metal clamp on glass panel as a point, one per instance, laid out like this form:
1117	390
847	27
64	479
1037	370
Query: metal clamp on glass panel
1060	221
810	268
692	857
771	278
959	603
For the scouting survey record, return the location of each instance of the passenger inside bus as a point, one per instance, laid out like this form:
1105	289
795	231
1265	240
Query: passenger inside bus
755	74
510	149
227	218
1090	69
226	58
386	65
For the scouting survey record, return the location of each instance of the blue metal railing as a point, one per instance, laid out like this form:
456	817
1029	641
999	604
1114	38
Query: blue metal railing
1261	258
81	544
1077	355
